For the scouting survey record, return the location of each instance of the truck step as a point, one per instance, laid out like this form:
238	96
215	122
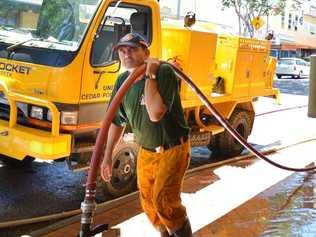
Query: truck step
214	129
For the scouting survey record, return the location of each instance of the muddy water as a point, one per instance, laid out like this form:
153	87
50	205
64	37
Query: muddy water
292	207
287	209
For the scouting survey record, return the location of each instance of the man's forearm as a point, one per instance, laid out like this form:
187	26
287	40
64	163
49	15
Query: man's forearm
114	135
154	103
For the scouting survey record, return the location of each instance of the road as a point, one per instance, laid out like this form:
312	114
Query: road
46	188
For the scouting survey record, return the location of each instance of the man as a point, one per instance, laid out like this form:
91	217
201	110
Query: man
153	109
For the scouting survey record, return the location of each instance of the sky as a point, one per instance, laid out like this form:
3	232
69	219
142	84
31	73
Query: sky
207	10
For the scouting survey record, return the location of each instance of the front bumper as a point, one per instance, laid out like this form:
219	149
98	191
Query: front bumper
20	141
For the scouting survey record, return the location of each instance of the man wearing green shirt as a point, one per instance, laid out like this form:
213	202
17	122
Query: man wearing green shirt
153	109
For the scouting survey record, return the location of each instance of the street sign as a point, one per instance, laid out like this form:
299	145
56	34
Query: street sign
257	22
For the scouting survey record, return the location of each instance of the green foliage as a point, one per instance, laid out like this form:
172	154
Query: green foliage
53	14
9	9
247	10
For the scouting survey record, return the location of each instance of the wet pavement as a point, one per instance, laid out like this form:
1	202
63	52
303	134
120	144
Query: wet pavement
38	190
292	207
292	86
249	199
287	209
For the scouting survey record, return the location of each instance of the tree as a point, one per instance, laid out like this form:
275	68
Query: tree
10	10
247	10
56	17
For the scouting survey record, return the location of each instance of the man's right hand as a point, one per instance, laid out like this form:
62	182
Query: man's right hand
114	135
106	169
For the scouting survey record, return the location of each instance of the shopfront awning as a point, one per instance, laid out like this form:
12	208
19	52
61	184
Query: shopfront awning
289	40
304	41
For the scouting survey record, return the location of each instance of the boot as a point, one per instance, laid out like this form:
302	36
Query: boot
185	230
165	234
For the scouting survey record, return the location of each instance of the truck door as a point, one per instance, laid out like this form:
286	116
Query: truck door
101	68
259	78
243	74
101	64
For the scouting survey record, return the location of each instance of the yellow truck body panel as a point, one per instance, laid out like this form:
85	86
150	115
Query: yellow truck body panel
189	47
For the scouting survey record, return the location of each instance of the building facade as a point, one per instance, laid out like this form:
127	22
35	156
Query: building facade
294	30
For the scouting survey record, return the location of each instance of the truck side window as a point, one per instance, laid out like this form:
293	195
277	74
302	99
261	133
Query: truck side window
117	22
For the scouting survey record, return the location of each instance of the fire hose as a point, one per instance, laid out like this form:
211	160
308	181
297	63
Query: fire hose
88	205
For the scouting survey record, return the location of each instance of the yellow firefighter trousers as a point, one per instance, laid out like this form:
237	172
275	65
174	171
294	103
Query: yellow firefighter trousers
160	177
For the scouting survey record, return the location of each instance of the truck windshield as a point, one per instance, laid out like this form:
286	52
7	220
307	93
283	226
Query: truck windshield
60	23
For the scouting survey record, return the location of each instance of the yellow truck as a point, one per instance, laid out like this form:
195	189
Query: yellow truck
57	71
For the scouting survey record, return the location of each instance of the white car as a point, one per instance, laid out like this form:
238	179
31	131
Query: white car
294	67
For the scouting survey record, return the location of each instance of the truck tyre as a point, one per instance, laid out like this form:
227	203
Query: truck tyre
225	145
123	179
279	76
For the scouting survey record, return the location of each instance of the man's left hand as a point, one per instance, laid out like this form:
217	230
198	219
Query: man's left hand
152	66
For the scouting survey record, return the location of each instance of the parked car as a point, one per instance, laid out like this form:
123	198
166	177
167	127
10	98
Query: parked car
294	67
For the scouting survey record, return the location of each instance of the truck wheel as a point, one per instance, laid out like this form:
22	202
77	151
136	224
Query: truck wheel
123	179
279	76
225	144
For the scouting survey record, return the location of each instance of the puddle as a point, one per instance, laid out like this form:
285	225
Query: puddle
287	209
292	206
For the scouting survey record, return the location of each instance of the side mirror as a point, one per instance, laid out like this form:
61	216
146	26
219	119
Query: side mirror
189	19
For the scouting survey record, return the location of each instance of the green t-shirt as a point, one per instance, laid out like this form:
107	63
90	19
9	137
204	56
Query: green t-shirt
133	110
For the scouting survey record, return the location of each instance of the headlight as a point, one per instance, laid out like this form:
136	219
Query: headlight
69	117
49	115
36	112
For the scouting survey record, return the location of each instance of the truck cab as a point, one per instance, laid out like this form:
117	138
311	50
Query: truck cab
59	54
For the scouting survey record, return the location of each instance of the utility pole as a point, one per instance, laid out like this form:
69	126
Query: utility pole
179	9
267	17
267	23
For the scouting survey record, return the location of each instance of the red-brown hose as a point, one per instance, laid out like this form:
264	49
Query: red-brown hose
88	203
102	137
103	133
229	128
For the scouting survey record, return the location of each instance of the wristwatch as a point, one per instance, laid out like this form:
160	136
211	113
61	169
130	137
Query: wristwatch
150	76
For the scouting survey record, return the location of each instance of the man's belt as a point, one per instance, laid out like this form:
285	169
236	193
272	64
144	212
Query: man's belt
168	145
